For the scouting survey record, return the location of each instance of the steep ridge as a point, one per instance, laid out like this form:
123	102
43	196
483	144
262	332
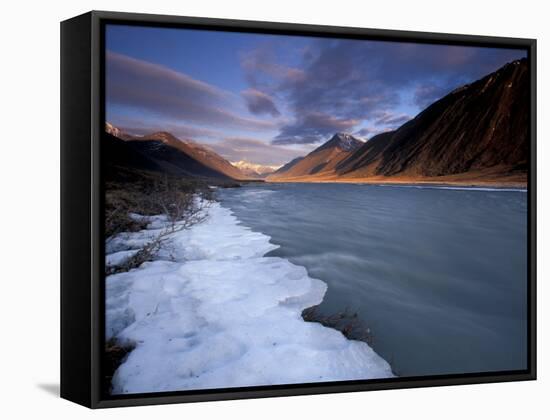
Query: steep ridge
478	128
152	155
478	133
200	153
322	160
177	156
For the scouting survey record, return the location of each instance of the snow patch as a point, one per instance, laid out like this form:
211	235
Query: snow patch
213	312
120	257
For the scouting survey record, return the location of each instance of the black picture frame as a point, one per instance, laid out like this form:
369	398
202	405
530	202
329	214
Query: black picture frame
82	245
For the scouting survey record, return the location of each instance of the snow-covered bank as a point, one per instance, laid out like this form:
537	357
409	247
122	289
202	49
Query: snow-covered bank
213	312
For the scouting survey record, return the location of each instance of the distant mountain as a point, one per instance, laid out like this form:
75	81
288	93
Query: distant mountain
152	155
322	160
201	153
254	170
342	141
477	133
175	156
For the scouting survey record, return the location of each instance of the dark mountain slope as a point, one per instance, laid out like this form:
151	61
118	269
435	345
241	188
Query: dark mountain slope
178	157
479	127
198	152
367	154
118	157
152	155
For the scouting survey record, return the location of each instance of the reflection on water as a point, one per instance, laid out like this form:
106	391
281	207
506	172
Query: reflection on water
439	275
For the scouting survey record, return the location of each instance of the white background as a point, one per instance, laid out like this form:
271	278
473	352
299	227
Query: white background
29	233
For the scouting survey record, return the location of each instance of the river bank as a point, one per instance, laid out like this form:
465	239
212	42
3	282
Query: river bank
211	311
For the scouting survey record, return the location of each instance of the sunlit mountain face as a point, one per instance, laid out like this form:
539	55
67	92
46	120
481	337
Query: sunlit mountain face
476	134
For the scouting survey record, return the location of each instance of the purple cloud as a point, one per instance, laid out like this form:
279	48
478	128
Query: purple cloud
425	95
260	103
263	71
162	92
312	127
141	127
390	119
351	79
252	150
365	132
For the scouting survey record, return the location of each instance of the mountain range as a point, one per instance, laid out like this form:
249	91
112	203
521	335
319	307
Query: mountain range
476	134
163	152
322	161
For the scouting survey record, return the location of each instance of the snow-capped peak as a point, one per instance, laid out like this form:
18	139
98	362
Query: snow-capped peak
114	131
343	141
256	167
347	141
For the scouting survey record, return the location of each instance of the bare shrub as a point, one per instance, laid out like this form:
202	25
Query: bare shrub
183	208
118	206
192	215
146	193
176	204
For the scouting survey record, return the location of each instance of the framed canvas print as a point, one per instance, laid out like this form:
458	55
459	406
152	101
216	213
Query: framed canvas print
255	209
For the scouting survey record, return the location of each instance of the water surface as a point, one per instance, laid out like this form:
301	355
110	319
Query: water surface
439	275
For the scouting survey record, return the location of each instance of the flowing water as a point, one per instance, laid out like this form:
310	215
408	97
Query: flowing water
438	274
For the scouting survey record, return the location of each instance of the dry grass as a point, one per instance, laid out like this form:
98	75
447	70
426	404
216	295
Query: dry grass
113	356
149	194
346	321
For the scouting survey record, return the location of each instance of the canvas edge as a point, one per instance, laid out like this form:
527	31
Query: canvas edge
76	227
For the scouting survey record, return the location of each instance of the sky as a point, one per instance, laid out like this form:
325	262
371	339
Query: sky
267	99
